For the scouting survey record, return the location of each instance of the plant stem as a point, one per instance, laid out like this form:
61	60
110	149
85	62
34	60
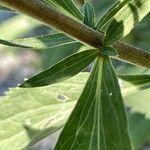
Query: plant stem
75	29
81	1
133	54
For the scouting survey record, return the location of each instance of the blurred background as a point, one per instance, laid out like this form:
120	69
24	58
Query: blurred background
17	64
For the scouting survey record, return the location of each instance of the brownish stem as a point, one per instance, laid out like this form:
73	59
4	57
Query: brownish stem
81	1
132	54
75	29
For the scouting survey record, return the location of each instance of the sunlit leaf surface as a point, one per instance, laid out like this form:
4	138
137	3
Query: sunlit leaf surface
41	111
110	13
39	42
125	19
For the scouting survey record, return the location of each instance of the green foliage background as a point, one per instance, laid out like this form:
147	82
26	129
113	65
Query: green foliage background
138	103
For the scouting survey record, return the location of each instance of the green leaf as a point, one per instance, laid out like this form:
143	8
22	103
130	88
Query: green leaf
132	84
98	121
110	13
63	70
28	115
139	102
109	51
39	42
125	19
140	130
89	15
136	79
67	5
136	93
56	54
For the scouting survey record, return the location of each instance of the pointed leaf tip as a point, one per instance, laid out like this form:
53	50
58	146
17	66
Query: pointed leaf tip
99	120
62	70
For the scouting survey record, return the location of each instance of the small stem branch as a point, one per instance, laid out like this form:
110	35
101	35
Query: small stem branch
75	29
133	54
51	17
81	1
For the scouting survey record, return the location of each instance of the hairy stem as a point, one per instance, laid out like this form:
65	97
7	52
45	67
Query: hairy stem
75	29
133	54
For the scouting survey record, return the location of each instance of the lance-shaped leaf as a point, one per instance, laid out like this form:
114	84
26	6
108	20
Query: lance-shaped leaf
132	84
39	42
125	19
89	15
63	70
110	13
67	5
99	120
136	79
